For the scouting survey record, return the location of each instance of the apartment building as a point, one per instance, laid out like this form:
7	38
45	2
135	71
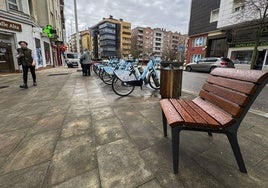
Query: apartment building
111	37
86	40
24	20
146	40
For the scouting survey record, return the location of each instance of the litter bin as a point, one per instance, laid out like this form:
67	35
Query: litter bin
170	80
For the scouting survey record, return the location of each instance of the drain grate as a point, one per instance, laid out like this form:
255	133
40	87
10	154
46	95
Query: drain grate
2	87
58	74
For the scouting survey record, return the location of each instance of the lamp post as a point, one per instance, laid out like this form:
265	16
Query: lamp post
77	32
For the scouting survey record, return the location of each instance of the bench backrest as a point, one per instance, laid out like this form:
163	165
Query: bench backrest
233	90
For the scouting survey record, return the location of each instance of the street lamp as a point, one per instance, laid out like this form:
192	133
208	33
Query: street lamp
76	27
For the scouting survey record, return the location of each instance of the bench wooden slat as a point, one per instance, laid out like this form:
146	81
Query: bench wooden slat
237	85
197	118
222	117
254	76
210	121
230	107
183	113
173	117
235	97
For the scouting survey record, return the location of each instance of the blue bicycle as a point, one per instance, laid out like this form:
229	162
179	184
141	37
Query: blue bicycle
124	82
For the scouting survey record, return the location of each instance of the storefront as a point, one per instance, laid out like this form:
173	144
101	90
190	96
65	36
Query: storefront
11	33
242	53
7	44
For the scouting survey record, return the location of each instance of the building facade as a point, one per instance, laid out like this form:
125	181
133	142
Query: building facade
241	22
19	20
203	32
227	28
159	41
111	37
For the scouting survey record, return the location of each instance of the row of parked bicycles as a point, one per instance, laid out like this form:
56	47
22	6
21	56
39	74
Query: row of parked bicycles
125	75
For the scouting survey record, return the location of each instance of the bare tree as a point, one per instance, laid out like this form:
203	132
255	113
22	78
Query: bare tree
256	11
173	54
136	49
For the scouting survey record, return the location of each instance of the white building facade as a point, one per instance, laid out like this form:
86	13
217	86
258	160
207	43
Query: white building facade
239	22
18	22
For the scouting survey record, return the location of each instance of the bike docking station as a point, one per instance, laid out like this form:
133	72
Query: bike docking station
170	79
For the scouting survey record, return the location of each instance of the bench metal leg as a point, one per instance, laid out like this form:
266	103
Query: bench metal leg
164	119
175	148
232	137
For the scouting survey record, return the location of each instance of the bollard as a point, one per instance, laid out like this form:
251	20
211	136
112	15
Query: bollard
170	82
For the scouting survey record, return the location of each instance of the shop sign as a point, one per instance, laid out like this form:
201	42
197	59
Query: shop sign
10	26
250	44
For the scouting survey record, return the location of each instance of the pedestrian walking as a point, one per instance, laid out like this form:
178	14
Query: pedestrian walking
86	62
26	58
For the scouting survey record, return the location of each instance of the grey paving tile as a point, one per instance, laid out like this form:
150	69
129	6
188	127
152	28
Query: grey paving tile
72	156
19	122
108	130
138	128
151	184
120	165
102	113
86	180
31	177
48	123
76	127
9	141
159	159
32	150
229	176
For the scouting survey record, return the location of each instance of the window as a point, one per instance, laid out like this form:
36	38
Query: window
200	41
13	5
238	5
241	57
214	15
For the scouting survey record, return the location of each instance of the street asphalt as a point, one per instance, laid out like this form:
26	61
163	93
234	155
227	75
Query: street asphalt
73	131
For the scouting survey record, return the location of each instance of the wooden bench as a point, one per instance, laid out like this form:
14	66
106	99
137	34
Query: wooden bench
220	107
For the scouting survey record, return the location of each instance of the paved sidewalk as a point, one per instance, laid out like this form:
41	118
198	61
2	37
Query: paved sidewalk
73	131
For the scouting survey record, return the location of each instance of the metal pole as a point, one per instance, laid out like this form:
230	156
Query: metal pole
77	32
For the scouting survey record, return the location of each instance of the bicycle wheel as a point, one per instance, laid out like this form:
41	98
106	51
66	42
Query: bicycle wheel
154	82
121	88
107	78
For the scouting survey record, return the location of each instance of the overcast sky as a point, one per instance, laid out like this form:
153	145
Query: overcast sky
172	15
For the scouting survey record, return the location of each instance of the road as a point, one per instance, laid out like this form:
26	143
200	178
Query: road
192	82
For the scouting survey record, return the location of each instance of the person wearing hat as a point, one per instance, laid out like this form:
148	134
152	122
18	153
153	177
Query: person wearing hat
26	59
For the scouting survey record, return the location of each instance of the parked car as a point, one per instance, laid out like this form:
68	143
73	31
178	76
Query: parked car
71	59
209	63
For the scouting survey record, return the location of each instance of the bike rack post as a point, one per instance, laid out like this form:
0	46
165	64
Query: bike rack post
170	81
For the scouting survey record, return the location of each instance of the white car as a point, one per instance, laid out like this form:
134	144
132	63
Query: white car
71	59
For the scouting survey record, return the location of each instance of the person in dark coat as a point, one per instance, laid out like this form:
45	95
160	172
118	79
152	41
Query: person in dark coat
26	59
86	62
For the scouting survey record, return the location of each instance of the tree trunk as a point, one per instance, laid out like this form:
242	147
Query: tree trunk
255	51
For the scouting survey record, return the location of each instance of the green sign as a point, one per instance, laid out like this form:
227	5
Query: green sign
49	31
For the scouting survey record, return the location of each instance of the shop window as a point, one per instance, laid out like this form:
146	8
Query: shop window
241	57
